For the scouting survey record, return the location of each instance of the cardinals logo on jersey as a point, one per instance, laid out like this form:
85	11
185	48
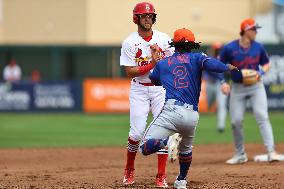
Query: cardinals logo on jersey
141	61
139	53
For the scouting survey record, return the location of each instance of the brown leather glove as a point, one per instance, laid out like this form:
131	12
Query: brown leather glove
250	77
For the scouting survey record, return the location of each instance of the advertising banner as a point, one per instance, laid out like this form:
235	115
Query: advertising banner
57	96
274	83
15	97
106	95
112	96
43	96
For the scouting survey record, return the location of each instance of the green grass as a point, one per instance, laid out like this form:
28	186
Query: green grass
206	131
76	129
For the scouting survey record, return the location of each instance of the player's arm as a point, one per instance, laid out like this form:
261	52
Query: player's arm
217	76
264	62
266	67
215	65
225	57
218	66
135	71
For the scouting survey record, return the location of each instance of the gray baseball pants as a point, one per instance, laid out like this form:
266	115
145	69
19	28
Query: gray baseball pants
174	119
214	93
257	94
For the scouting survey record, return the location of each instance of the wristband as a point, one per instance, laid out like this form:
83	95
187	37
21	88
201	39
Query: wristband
261	72
144	69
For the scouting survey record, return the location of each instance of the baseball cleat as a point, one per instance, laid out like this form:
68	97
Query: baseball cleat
173	144
238	159
180	184
220	130
128	178
274	156
161	181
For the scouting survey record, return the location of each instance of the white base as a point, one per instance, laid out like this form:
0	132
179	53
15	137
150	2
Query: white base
264	158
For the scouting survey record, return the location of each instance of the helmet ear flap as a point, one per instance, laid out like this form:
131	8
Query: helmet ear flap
154	18
135	19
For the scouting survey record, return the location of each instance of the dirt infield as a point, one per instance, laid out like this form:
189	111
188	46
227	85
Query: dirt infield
64	168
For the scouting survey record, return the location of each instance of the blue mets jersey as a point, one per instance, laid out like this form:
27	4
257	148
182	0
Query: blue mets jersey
250	58
180	74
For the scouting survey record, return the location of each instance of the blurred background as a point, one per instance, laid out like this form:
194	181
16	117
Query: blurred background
67	57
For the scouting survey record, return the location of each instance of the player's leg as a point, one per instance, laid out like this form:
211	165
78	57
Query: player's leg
157	103
139	109
188	129
158	132
183	120
221	109
185	159
157	96
210	93
237	109
155	140
260	111
156	136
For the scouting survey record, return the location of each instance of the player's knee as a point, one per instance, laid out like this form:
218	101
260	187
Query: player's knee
236	123
135	137
260	116
143	149
151	146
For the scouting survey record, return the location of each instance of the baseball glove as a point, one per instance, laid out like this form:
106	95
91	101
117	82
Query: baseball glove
250	77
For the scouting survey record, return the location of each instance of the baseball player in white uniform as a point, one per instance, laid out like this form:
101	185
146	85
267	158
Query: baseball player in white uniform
144	96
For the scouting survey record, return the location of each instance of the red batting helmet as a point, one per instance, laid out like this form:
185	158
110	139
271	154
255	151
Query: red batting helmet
143	8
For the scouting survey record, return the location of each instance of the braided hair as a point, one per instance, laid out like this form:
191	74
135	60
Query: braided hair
184	46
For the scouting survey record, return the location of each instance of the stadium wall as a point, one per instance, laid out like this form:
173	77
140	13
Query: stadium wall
96	22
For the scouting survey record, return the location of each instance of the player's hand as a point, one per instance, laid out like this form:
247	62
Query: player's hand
156	55
154	48
231	67
225	88
260	73
258	77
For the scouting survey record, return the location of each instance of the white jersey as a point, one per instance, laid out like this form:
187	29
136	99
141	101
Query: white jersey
12	73
136	51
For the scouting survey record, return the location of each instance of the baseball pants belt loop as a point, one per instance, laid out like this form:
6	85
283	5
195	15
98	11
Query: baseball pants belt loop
144	84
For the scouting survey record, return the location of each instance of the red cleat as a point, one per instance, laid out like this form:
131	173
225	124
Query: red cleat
128	178
161	181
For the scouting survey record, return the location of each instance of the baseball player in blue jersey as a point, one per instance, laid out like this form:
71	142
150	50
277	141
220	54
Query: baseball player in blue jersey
252	61
180	74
